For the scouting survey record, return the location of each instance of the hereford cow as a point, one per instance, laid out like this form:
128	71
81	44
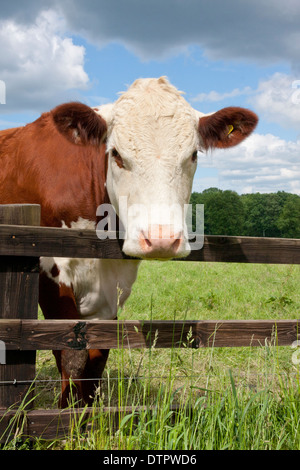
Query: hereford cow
73	159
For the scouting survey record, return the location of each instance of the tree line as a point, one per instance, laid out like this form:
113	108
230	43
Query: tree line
256	215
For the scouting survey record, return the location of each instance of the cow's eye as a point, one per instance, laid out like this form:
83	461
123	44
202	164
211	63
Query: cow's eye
194	156
118	158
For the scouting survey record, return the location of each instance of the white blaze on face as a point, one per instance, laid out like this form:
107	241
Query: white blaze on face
152	144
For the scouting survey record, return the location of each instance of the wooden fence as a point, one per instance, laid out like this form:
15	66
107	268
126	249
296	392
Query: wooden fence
23	241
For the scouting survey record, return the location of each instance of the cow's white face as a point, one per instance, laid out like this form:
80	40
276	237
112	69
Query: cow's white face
152	141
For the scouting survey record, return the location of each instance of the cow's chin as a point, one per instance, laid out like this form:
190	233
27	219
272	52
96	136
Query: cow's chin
133	249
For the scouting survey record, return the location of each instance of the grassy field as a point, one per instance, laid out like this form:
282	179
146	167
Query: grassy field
228	398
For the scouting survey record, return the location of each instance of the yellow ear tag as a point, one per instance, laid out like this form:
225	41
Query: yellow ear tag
230	129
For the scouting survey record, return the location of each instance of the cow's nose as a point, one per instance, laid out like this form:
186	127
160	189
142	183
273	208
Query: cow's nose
160	241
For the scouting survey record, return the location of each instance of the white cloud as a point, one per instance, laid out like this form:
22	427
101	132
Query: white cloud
262	163
263	31
39	57
214	96
38	63
277	99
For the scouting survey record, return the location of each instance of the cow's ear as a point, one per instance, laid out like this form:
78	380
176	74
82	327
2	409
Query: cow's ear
79	123
227	127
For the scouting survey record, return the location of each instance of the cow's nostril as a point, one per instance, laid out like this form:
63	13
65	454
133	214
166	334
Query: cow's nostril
146	240
177	244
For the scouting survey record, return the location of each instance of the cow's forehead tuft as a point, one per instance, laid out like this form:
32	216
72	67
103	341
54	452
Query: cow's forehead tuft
153	114
152	97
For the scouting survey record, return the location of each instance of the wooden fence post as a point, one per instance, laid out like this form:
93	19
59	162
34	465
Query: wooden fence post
19	278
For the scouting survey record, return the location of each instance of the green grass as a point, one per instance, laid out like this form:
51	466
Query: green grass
227	398
214	290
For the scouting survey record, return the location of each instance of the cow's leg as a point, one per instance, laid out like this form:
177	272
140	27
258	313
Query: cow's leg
73	365
95	365
81	365
85	368
57	301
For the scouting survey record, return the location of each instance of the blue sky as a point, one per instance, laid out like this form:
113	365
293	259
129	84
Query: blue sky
220	53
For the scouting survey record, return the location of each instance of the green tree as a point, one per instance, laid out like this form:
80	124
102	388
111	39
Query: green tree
256	215
203	198
288	221
261	214
224	213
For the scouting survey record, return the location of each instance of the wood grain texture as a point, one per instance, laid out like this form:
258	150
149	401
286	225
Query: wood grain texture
92	334
51	241
18	299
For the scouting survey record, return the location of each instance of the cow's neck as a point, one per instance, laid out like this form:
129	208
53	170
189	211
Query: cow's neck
81	196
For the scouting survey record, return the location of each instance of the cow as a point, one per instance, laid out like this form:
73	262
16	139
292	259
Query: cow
73	159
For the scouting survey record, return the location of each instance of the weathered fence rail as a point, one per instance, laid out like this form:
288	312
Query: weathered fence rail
24	335
22	242
49	241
